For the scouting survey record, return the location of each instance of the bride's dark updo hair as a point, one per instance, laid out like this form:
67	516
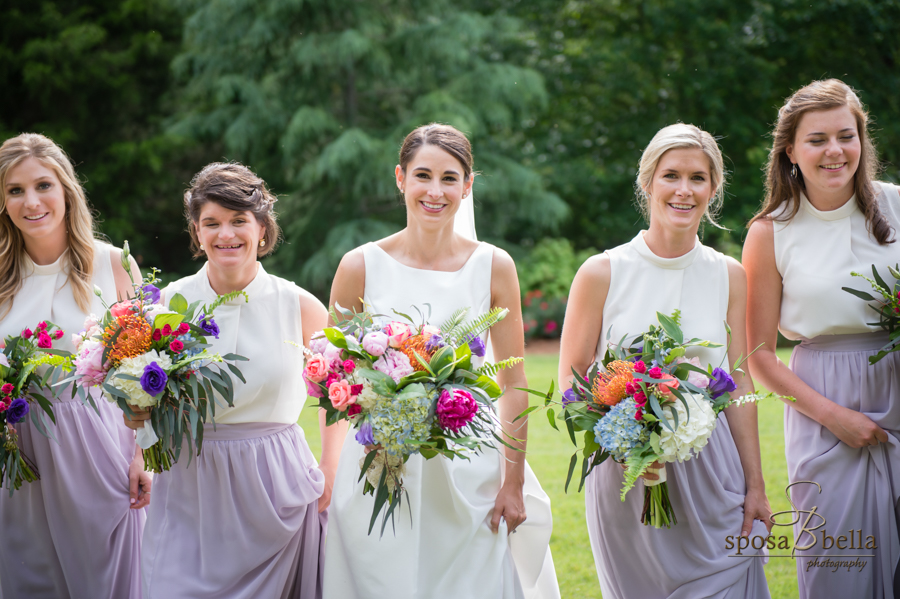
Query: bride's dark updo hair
450	139
235	187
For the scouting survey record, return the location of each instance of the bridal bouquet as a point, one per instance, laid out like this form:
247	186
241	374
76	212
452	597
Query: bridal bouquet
888	307
407	389
20	386
145	354
648	404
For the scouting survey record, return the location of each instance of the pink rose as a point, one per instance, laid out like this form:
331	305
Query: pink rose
4	405
176	346
340	395
42	326
655	372
640	367
57	334
348	366
640	398
27	333
375	343
316	369
665	388
183	328
120	309
397	333
44	341
638	414
7	388
695	378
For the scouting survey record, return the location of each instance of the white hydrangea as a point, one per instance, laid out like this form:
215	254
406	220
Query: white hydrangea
691	434
135	367
367	398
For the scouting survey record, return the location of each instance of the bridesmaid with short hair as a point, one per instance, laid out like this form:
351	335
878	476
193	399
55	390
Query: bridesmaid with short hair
824	217
719	493
76	532
246	518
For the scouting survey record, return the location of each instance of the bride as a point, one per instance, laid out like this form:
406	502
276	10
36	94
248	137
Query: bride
453	538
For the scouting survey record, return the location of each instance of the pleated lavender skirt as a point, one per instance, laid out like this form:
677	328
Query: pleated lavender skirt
860	490
241	521
691	559
72	534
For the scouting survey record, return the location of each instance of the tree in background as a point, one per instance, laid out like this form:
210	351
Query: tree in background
617	72
317	96
93	77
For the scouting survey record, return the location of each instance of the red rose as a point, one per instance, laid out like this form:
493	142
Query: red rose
157	334
176	346
353	410
7	388
639	415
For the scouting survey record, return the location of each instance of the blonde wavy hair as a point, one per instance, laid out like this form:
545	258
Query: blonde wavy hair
79	222
676	137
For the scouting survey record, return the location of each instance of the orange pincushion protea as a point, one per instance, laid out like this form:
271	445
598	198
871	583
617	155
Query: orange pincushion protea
416	345
609	386
134	337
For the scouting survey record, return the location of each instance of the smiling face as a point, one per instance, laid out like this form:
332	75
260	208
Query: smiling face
680	189
433	185
36	202
826	149
229	238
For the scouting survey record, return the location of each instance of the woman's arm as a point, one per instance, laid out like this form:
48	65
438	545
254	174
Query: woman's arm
508	340
743	419
763	313
314	318
583	323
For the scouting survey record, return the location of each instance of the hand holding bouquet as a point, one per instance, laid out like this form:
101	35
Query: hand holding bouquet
406	389
888	307
20	385
648	404
147	355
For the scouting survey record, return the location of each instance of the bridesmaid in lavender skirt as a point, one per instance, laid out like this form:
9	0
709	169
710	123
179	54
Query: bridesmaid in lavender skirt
825	217
77	531
246	519
720	493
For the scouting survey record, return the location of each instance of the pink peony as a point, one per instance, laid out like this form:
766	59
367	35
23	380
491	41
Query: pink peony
44	341
695	378
318	343
397	333
316	369
455	409
348	366
393	363
332	352
340	395
89	363
375	343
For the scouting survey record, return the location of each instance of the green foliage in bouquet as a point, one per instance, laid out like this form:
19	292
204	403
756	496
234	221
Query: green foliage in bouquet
888	307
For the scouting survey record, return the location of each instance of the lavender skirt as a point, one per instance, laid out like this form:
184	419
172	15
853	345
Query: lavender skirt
241	521
690	559
72	533
859	489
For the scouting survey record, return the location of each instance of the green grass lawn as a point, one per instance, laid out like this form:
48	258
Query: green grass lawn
548	454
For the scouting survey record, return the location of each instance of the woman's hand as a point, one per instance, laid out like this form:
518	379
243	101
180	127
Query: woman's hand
756	507
510	506
854	428
325	498
139	482
647	475
136	421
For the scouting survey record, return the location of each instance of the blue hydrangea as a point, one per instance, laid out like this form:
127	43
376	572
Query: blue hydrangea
618	432
406	416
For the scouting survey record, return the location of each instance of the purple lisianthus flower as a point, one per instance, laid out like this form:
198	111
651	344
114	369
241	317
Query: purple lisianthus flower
477	346
17	410
720	383
151	293
154	379
364	434
434	343
569	396
209	325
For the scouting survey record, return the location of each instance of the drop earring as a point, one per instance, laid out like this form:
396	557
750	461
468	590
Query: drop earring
201	247
794	171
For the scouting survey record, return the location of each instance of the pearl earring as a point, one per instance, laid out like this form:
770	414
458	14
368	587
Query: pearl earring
201	247
262	243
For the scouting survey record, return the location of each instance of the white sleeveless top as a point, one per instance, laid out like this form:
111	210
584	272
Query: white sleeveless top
47	295
816	251
258	330
642	284
391	285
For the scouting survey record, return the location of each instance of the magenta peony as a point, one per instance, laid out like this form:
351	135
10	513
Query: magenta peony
455	409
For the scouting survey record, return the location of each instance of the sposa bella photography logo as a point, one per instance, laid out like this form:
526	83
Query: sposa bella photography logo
813	537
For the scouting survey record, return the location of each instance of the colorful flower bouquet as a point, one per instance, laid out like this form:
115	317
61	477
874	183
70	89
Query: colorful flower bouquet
649	404
888	307
20	385
142	353
406	389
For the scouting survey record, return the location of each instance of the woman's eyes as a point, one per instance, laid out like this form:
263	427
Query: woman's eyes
43	185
